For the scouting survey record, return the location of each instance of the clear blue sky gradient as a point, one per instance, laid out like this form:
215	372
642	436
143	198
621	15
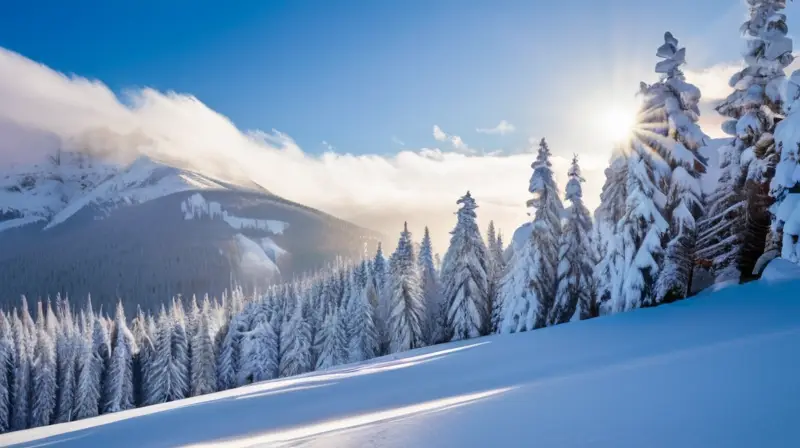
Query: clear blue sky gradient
357	73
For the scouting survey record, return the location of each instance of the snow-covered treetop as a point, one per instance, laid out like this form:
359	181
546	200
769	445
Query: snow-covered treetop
542	176
769	47
574	191
673	57
767	54
468	206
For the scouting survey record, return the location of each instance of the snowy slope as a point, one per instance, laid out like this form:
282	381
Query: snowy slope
716	371
144	180
37	192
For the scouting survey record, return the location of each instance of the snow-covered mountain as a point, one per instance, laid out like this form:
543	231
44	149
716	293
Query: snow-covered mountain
718	370
147	231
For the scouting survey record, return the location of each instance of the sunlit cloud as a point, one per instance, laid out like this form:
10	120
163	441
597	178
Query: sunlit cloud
502	128
42	109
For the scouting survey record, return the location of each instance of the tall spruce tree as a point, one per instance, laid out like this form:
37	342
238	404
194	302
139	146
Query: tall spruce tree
669	129
497	267
66	355
204	369
296	347
334	341
611	210
89	370
736	232
7	356
406	306
119	387
465	276
785	186
435	307
528	288
575	290
43	375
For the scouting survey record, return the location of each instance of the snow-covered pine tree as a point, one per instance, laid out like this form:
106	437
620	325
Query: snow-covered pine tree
737	230
435	308
497	266
334	341
119	387
465	276
260	350
639	232
160	385
179	363
296	348
669	129
785	186
143	358
7	356
528	288
101	350
20	387
43	375
89	370
229	352
204	368
380	280
575	291
404	290
66	356
610	211
362	336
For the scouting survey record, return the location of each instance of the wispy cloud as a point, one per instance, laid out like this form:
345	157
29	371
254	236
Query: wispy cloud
397	141
438	133
378	191
456	141
502	128
328	146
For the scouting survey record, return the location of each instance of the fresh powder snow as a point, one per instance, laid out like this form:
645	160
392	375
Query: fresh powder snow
728	378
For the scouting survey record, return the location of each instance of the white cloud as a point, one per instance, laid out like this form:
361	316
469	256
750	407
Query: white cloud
502	128
456	141
377	191
397	141
439	134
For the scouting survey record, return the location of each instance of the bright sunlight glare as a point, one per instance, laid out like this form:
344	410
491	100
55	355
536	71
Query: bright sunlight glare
618	123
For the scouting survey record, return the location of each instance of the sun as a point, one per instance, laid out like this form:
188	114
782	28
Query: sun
618	123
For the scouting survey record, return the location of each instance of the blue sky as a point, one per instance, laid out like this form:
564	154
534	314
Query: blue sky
358	73
371	78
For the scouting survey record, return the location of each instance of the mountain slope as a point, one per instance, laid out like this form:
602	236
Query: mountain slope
716	370
151	231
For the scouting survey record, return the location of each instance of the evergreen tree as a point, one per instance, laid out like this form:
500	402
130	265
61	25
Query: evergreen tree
20	387
228	354
465	277
435	308
528	288
334	341
362	336
608	248
575	292
160	374
89	370
43	375
261	353
407	310
785	186
203	371
7	358
737	229
66	354
637	247
119	387
143	358
101	350
296	348
497	267
671	131
179	363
